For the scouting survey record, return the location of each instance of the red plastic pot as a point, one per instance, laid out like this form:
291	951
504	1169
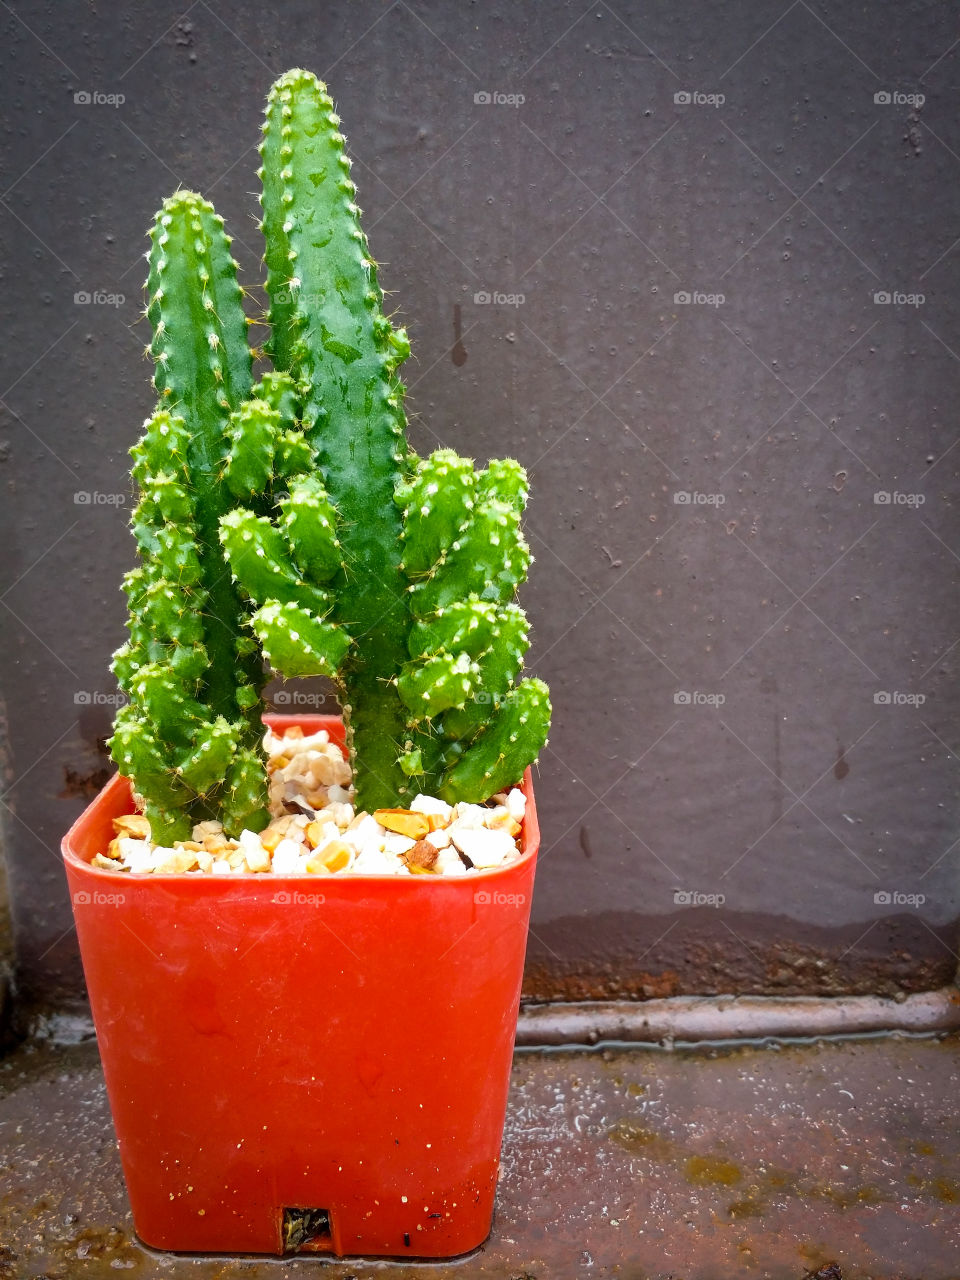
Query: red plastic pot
274	1045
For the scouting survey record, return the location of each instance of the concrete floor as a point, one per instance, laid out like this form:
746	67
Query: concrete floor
760	1161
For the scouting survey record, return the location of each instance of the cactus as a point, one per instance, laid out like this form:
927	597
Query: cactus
290	520
393	574
188	736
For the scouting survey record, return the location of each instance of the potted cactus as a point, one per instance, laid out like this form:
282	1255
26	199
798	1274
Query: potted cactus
297	1061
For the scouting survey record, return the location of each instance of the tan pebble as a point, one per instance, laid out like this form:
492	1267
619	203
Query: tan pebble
422	858
214	844
113	848
294	732
180	860
317	867
205	860
106	864
335	856
132	824
256	860
234	858
272	836
404	822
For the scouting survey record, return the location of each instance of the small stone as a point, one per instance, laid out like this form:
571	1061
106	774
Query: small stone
517	804
137	854
134	825
174	862
484	848
431	805
421	857
286	857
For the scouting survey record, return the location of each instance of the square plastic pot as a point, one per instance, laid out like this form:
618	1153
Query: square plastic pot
304	1063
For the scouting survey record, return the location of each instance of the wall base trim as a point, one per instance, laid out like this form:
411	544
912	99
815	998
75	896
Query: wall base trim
693	1019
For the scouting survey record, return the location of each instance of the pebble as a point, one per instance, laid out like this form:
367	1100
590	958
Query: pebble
314	829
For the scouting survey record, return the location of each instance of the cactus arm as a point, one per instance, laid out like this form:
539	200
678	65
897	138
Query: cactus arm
330	334
297	642
512	739
203	371
192	674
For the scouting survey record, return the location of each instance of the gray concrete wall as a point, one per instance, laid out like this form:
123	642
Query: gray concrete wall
782	587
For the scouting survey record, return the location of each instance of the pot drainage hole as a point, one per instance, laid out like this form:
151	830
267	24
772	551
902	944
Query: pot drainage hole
306	1231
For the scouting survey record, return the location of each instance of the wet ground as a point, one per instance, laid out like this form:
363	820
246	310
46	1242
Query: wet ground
763	1161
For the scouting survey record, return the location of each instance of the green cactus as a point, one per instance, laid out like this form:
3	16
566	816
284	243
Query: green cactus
290	521
188	736
393	574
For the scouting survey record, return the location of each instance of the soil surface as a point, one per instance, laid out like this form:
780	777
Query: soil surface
765	1161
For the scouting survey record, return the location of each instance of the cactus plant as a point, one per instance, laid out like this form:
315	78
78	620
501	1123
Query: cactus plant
409	565
188	736
348	556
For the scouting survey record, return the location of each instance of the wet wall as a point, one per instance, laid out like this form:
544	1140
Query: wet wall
697	268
